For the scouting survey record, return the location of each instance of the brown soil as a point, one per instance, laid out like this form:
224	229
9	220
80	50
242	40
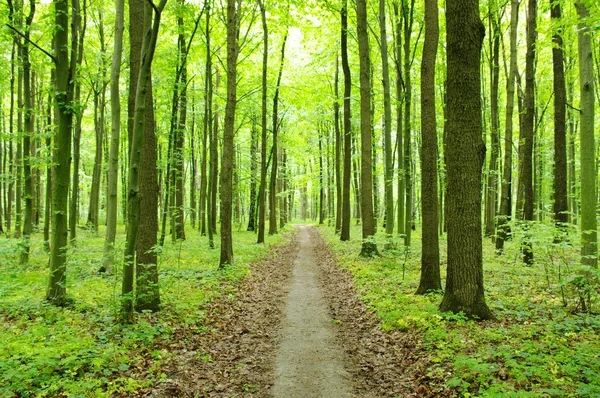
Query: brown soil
296	328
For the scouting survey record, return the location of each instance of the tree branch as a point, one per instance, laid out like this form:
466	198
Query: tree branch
30	41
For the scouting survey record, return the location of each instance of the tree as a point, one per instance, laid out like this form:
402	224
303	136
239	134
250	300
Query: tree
430	253
504	213
526	139
345	233
228	152
407	12
561	216
387	136
137	142
273	180
589	248
113	165
369	247
465	154
64	64
263	124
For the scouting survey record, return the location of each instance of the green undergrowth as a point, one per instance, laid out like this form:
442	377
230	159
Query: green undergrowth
81	350
542	344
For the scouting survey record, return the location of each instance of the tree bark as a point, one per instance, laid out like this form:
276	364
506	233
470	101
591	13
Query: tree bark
526	147
113	165
133	191
273	180
430	253
387	134
263	143
65	73
465	154
346	204
228	136
253	177
589	239
505	210
369	246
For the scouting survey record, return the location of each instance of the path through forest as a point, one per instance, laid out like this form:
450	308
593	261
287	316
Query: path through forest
294	328
310	361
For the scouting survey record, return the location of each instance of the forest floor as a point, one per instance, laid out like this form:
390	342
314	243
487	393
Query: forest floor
295	328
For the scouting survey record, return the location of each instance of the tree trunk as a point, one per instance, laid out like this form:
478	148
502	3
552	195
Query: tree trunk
346	204
115	111
408	21
179	136
506	187
589	244
526	147
465	154
338	149
65	74
430	253
253	177
321	182
207	127
369	246
74	204
492	180
399	118
387	124
133	191
49	169
273	180
561	209
263	143
228	133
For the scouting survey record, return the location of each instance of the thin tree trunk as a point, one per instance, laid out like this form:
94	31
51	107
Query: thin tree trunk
346	204
526	149
263	144
207	126
253	176
408	21
338	149
387	134
399	118
505	210
113	165
430	253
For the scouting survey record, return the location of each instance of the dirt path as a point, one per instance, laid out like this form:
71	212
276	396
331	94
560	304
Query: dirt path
310	361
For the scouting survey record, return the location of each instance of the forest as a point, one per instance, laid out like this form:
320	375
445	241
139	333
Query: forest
299	198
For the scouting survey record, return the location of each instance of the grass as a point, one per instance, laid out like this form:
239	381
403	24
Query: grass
81	350
542	345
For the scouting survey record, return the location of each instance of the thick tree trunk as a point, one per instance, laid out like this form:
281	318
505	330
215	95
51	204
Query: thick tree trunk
65	74
346	204
465	154
589	244
147	294
228	133
113	165
369	247
430	253
133	191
